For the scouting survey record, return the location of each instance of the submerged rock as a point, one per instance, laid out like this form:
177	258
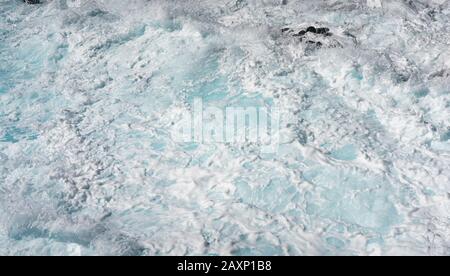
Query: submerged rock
311	29
301	33
323	31
312	36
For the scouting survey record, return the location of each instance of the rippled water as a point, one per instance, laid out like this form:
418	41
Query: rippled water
89	92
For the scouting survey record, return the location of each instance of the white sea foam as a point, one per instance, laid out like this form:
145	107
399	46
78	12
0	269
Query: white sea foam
90	91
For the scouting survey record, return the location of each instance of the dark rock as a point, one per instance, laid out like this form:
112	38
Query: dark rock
323	30
311	30
312	36
301	33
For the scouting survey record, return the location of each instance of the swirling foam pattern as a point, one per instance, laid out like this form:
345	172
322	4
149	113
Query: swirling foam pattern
90	89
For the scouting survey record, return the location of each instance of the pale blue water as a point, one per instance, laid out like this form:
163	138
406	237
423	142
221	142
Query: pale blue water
89	95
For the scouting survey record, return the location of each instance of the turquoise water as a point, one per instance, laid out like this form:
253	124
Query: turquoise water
89	96
14	135
4	86
347	153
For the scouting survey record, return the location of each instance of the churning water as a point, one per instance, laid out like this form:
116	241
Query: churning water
90	91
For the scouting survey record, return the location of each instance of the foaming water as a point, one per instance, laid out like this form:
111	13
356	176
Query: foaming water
90	91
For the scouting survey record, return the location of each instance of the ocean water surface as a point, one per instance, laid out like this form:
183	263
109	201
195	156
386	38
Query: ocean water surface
91	89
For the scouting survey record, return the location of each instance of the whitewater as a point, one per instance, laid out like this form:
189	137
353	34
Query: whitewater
90	91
